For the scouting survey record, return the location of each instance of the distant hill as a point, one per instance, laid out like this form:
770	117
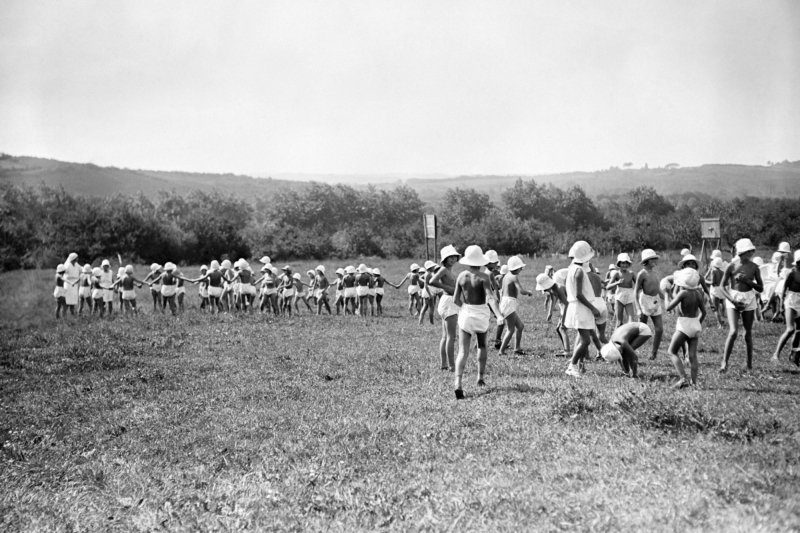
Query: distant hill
722	181
92	180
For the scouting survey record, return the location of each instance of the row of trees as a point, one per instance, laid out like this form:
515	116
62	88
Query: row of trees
38	227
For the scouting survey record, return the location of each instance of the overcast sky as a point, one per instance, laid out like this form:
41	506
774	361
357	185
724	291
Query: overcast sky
373	86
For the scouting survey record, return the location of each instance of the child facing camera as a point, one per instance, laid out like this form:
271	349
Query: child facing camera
689	325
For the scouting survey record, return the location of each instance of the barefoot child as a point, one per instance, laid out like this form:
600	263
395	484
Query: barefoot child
791	312
202	289
648	297
321	285
85	289
598	336
580	313
350	292
623	344
127	283
215	282
155	288
493	271
425	293
714	279
741	299
413	288
445	280
379	290
509	306
60	293
560	281
689	325
107	284
473	318
546	284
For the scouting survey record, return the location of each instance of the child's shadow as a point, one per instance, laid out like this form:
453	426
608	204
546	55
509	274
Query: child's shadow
517	388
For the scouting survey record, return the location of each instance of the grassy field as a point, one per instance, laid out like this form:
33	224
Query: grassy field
235	422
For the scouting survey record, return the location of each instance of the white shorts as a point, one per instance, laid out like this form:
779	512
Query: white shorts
181	290
424	294
474	318
71	294
288	293
350	292
318	293
716	292
665	285
745	301
248	289
203	291
214	292
338	294
624	295
129	295
447	307
644	330
362	290
600	304
97	294
59	292
156	288
108	295
792	301
508	305
169	290
689	326
413	289
379	290
85	292
371	292
650	305
578	316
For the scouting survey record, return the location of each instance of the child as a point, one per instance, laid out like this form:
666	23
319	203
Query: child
85	288
717	295
362	289
580	313
246	288
791	312
269	290
413	288
493	271
623	344
286	290
127	283
312	288
609	292
338	299
107	284
647	297
444	280
471	288
548	297
215	285
60	293
300	292
155	288
622	285
558	294
321	285
741	299
425	274
689	325
560	281
379	290
350	291
598	336
509	306
202	289
169	287
97	292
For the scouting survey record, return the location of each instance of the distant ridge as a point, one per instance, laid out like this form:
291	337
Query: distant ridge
726	181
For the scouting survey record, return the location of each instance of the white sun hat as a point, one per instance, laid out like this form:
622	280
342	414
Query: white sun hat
503	270
350	269
610	352
796	256
515	263
340	271
362	268
244	265
61	268
612	267
581	252
87	268
716	253
685	251
717	262
275	271
648	254
430	265
226	263
685	259
473	256
414	267
154	267
544	282
376	271
105	263
97	271
785	248
266	260
215	265
744	246
129	269
297	275
320	268
170	266
448	251
491	256
757	260
687	278
309	272
777	256
624	258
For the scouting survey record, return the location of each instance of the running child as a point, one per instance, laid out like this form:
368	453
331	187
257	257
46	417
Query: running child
471	288
687	330
648	297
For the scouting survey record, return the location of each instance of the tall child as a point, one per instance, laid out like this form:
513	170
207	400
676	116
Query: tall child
647	297
741	299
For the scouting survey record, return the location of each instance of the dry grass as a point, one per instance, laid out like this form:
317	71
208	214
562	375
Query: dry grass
311	423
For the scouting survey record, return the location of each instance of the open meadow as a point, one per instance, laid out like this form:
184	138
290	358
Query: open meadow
204	422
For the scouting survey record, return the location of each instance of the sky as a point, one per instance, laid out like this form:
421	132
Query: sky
405	87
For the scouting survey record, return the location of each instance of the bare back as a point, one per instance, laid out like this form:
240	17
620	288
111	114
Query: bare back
472	286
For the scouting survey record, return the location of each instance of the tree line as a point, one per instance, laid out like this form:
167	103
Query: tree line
39	226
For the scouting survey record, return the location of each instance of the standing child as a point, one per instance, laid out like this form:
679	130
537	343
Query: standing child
560	281
791	312
311	298
509	306
689	325
379	290
546	284
444	280
622	286
127	283
215	282
714	279
97	292
580	311
599	336
85	289
413	288
362	289
741	299
107	284
493	271
169	287
202	289
300	292
321	285
471	288
349	288
424	291
548	297
155	288
338	298
60	293
648	297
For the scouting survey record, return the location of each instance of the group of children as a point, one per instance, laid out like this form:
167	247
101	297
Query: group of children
466	303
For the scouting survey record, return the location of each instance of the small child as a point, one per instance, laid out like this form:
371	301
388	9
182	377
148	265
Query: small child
560	281
581	314
599	336
413	288
648	297
338	295
470	292
312	288
85	289
155	288
425	274
379	290
300	292
321	285
689	325
60	293
127	283
169	287
548	297
97	292
622	285
546	284
791	312
509	306
623	344
202	289
714	279
107	284
349	290
362	289
742	299
444	280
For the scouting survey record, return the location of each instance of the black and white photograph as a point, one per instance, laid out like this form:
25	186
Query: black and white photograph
370	265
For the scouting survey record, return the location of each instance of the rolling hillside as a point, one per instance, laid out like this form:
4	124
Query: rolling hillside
722	181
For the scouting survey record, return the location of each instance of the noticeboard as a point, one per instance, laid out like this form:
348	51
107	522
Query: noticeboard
709	228
429	223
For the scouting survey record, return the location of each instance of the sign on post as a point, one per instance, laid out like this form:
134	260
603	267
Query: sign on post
429	226
709	228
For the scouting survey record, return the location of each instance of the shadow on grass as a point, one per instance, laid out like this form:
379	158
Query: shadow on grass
518	388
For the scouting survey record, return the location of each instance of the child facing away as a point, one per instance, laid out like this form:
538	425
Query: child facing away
791	312
581	313
691	299
509	306
448	311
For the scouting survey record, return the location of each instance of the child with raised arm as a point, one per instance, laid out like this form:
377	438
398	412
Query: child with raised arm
471	288
379	290
169	287
215	281
447	308
321	286
741	299
413	288
580	313
128	283
687	330
155	288
622	284
647	297
791	312
509	306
